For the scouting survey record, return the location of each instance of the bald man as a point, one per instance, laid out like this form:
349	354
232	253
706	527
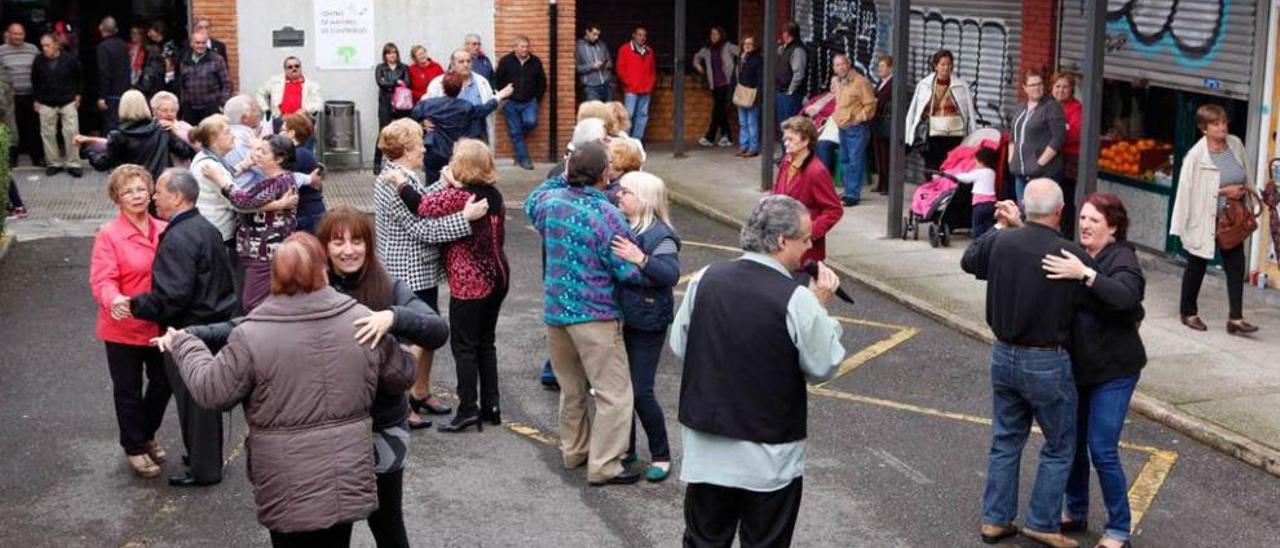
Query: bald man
114	70
1031	317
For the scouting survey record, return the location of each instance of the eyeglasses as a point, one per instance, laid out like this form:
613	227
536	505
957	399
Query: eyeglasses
292	66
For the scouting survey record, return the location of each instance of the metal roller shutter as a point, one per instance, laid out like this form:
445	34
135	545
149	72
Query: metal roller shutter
1204	46
985	36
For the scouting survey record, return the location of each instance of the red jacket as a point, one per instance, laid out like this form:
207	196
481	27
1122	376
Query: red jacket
421	76
638	73
1072	111
813	187
121	265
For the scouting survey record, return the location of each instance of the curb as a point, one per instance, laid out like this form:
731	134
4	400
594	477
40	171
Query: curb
1231	443
7	240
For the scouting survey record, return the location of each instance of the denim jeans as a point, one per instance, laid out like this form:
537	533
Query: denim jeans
828	153
602	92
749	129
638	108
788	106
644	348
1030	383
521	117
853	158
1098	424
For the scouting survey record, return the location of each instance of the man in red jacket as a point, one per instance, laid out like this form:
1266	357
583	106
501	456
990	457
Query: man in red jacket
638	72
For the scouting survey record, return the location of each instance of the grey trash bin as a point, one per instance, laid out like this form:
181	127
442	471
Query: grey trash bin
340	135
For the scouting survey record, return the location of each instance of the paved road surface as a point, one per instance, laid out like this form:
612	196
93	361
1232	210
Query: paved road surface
897	443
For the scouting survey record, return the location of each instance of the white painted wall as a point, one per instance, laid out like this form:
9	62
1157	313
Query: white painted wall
440	25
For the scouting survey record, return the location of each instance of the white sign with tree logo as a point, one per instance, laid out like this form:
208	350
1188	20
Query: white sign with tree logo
344	35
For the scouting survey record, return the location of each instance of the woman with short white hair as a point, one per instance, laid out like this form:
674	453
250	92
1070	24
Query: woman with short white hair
164	108
139	139
648	309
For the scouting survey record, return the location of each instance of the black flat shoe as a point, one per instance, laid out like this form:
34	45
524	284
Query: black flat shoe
1240	327
627	477
992	534
186	480
1074	525
552	385
421	405
1194	322
419	424
461	424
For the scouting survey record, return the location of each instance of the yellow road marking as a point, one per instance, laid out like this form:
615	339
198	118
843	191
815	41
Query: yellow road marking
532	433
1142	492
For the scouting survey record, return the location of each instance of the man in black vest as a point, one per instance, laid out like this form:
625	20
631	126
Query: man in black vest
750	336
190	285
1031	317
790	78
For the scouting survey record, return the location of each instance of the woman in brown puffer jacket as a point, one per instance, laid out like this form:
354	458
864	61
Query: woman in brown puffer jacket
307	384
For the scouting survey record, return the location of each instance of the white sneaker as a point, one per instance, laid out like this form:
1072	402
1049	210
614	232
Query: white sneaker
724	142
705	143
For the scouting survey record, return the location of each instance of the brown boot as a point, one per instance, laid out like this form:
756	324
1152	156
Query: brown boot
1054	540
992	534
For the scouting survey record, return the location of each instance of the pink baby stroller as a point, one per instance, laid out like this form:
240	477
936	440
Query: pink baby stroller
944	203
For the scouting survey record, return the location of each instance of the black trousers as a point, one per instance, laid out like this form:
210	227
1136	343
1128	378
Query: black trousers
139	411
1069	214
473	325
712	514
337	536
1193	276
720	113
28	130
938	149
193	116
387	522
201	429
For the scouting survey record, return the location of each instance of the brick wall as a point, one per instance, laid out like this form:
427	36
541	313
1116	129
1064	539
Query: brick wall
1039	35
529	17
222	13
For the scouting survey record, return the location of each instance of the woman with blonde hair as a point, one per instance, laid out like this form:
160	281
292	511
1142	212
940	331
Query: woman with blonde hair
409	245
647	309
479	278
622	123
138	139
601	111
625	157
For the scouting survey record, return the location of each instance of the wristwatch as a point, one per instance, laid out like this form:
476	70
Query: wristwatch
1089	275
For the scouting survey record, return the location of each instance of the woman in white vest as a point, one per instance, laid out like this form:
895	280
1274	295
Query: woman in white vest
943	105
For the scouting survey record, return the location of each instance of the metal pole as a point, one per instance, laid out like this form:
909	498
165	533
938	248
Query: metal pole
1095	46
767	126
898	124
554	49
677	58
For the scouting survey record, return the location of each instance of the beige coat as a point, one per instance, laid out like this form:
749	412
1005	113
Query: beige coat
307	388
1195	207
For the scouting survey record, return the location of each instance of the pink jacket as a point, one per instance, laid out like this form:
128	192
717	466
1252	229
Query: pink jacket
121	265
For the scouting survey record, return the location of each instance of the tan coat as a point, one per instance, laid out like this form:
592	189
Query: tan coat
855	100
1195	207
307	388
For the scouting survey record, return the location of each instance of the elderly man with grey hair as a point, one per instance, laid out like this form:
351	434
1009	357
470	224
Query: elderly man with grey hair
480	62
191	284
1031	316
249	129
477	91
750	337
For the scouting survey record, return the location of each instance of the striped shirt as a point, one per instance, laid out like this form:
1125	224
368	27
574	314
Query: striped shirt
17	60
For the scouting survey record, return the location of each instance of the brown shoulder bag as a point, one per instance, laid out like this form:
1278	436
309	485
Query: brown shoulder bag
1238	218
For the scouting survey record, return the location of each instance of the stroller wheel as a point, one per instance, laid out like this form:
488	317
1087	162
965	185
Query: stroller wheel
934	240
944	236
906	226
915	230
